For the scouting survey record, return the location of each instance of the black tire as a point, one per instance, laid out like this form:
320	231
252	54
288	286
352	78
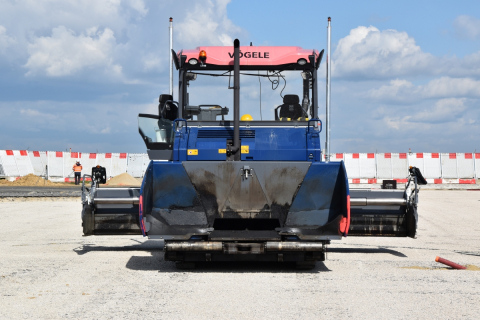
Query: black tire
88	222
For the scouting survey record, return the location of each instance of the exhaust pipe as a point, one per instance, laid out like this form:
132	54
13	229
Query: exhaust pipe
377	202
132	200
294	246
237	248
194	246
235	149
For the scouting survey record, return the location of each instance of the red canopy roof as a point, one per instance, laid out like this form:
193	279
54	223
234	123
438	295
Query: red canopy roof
251	56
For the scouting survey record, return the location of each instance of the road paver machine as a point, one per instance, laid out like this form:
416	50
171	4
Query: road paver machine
222	186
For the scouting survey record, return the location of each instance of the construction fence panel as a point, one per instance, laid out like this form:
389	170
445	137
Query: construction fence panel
337	157
417	160
70	159
114	163
2	173
136	166
88	161
392	165
428	163
39	162
23	162
433	166
465	165
399	165
55	164
105	160
16	163
360	165
146	162
353	170
119	164
384	166
2	170
9	166
477	165
449	165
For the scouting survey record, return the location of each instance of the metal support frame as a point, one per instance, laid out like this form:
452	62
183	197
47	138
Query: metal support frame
327	120
170	55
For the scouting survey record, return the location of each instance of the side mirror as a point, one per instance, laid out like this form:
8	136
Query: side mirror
190	76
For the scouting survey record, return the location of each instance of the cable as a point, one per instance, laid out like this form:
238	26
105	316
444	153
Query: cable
276	82
284	85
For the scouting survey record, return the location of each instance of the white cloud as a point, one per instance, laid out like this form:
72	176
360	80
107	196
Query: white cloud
394	122
397	90
33	114
207	24
56	125
370	53
467	27
424	118
64	53
5	40
74	41
76	14
467	66
30	21
403	91
52	38
139	6
106	130
152	61
444	110
451	87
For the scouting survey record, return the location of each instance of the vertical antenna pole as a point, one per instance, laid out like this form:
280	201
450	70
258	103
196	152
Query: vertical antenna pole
170	55
327	120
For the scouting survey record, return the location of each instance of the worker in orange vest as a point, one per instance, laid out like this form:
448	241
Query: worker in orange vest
77	168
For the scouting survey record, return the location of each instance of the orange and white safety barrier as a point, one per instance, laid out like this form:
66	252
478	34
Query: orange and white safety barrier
362	168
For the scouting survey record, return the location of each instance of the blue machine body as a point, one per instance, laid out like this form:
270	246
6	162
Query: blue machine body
281	143
280	184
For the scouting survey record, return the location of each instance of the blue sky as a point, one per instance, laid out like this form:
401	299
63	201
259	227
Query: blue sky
75	73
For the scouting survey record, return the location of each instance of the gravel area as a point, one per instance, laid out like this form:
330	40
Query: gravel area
49	270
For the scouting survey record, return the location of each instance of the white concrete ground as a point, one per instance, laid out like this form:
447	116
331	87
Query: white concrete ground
48	270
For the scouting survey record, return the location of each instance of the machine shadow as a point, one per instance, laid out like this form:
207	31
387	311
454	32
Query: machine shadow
367	250
157	263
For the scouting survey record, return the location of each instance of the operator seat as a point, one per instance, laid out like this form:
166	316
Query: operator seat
166	108
290	109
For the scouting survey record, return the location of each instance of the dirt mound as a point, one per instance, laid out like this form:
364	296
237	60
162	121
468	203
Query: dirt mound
29	180
123	179
472	267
